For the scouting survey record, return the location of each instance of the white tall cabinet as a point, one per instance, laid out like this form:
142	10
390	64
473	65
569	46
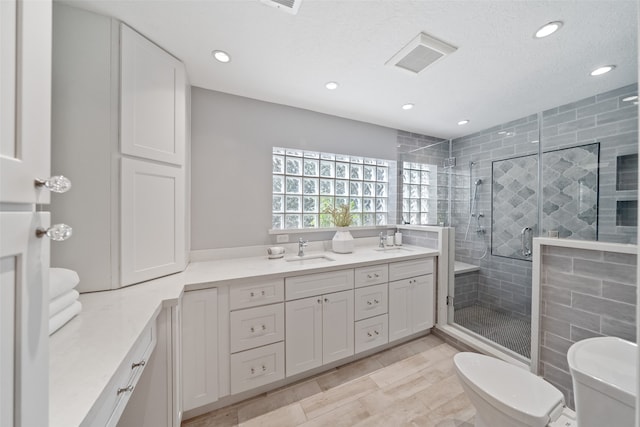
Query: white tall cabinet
25	106
120	133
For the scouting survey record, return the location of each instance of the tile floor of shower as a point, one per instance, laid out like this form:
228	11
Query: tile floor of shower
508	330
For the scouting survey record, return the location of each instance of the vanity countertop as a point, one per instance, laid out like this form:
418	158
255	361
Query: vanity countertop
86	352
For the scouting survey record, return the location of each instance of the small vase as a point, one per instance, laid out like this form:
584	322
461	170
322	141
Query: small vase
343	242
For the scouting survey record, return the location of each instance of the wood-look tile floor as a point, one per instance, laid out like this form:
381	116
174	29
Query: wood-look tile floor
413	384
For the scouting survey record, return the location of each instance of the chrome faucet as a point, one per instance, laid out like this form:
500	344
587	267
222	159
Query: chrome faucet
301	245
382	240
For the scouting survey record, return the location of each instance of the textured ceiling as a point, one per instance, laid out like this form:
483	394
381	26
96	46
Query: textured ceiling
499	72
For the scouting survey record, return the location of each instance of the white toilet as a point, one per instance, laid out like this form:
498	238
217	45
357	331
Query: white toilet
604	376
505	395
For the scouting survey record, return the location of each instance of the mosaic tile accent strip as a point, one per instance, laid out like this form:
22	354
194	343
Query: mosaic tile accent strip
515	204
570	192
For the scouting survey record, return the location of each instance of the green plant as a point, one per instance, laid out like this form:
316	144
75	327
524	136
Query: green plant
341	216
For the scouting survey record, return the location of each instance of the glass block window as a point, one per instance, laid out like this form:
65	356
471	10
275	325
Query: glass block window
306	183
419	193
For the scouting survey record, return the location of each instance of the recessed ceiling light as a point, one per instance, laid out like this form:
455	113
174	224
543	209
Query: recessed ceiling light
331	85
548	29
630	98
463	122
221	56
602	70
407	106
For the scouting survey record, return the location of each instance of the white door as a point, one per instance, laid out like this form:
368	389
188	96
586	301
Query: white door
153	100
25	99
199	348
303	334
24	320
337	326
422	303
399	309
152	221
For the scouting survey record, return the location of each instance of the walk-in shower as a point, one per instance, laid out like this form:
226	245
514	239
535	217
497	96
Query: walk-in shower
540	175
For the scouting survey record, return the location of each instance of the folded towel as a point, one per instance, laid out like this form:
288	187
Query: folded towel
61	280
56	305
57	321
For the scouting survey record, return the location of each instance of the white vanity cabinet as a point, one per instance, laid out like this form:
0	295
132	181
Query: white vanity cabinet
371	306
156	400
319	328
257	331
411	297
119	133
199	348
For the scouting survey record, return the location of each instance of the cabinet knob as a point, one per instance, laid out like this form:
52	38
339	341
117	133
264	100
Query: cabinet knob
140	363
264	368
57	232
56	184
369	334
251	294
264	328
319	300
377	275
369	302
326	300
376	301
368	276
376	332
262	292
126	389
252	329
253	371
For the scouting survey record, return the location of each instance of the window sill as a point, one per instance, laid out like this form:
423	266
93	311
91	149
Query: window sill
322	230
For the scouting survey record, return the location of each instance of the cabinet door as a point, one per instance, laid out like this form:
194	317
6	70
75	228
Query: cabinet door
303	334
153	100
199	348
152	221
24	320
25	99
400	306
422	303
337	326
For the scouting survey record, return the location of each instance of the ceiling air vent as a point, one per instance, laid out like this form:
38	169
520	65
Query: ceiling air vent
289	6
420	52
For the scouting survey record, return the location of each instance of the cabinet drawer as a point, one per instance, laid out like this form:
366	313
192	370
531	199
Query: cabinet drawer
405	269
255	327
318	284
372	333
371	301
374	275
114	398
257	367
258	293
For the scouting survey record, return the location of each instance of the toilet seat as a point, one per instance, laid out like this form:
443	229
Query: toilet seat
511	390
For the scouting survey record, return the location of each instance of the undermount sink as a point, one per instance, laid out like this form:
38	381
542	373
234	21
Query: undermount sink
309	259
393	249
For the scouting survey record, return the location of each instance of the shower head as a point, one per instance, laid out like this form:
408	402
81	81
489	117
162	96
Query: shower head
477	182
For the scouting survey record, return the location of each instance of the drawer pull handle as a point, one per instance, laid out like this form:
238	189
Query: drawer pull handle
376	332
140	363
126	389
264	328
262	292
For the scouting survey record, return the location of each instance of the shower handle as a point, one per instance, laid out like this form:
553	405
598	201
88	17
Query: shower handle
526	248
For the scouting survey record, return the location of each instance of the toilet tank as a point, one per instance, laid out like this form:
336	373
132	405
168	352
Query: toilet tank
605	379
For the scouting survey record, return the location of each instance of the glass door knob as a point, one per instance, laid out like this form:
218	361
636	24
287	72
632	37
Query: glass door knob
57	232
57	184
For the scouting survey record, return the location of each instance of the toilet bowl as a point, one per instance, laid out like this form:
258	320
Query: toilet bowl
505	395
605	378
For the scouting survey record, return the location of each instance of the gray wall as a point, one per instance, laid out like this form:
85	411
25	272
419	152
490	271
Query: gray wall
231	143
584	294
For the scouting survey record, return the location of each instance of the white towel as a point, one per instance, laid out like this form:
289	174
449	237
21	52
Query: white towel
61	280
56	305
57	321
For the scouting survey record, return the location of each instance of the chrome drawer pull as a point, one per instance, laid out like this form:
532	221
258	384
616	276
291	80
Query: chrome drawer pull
126	389
140	363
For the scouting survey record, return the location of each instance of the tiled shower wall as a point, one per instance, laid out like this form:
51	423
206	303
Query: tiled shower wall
583	294
504	283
